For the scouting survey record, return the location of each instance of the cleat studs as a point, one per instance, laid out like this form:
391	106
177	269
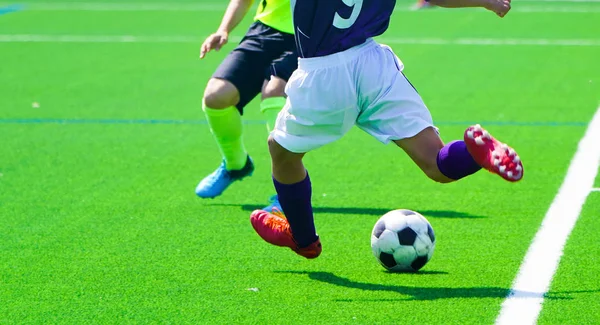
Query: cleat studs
497	162
517	176
516	159
511	152
470	134
509	174
504	147
486	135
502	169
519	168
479	141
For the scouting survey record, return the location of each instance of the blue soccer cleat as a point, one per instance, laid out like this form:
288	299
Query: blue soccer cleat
214	184
274	200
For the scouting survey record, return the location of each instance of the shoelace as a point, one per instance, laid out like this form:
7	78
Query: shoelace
277	223
277	212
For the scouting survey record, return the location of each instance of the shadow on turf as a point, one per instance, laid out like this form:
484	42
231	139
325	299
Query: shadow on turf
419	293
367	211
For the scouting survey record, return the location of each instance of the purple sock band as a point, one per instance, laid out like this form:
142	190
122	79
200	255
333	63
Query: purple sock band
455	161
295	200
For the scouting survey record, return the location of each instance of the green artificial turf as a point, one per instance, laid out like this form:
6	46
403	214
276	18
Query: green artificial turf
100	223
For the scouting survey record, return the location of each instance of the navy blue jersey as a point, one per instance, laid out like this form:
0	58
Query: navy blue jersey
324	27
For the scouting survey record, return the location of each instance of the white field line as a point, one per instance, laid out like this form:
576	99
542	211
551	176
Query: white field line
123	6
220	6
38	38
35	38
559	9
596	189
524	303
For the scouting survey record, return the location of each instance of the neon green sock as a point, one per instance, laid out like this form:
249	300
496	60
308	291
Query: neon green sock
271	107
226	126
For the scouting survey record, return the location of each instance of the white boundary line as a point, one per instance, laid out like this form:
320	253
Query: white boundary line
565	6
122	6
596	189
38	38
524	303
561	9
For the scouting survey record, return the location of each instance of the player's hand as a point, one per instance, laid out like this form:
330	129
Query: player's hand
214	42
500	7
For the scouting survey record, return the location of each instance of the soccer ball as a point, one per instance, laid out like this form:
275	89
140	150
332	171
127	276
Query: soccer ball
402	241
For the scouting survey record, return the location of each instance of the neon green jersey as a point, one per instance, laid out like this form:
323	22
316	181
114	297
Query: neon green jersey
276	14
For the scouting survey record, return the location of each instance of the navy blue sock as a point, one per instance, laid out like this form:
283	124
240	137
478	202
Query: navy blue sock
455	161
295	200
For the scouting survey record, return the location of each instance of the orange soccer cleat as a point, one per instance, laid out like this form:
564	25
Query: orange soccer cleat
275	230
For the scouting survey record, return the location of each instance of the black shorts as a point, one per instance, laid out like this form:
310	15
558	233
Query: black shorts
262	53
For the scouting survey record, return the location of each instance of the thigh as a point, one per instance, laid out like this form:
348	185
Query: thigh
279	73
245	66
242	69
283	66
391	108
320	108
274	87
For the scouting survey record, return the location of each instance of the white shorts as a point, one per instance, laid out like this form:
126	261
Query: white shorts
361	86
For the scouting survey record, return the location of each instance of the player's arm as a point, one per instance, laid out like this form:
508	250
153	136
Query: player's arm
236	10
500	7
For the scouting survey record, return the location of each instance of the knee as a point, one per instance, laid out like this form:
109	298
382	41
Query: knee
280	155
274	88
220	94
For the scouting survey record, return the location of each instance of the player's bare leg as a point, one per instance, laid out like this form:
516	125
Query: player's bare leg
296	229
225	121
287	167
423	149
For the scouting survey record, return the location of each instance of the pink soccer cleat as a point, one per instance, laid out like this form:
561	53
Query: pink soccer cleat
492	154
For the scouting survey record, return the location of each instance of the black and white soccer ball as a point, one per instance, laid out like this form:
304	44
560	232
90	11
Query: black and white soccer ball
402	241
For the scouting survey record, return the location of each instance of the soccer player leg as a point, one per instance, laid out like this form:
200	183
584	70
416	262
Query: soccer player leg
296	229
235	83
225	123
461	158
273	100
441	163
320	109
